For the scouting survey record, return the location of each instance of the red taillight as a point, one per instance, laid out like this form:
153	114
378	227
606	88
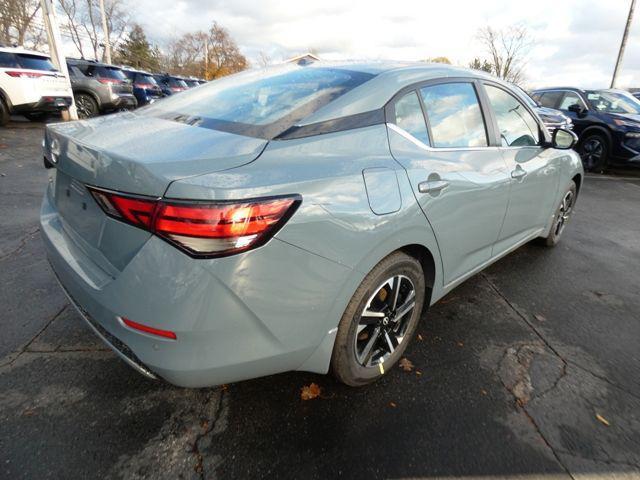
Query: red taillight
16	73
202	229
147	329
113	81
178	89
144	85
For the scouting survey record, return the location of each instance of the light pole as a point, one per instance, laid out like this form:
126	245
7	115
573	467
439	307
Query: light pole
623	44
55	46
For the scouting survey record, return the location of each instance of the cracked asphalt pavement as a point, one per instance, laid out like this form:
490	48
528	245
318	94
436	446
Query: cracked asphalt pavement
530	370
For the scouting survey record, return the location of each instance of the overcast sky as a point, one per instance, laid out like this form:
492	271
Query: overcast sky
576	41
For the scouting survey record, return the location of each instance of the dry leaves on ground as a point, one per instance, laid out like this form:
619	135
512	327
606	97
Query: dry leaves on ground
602	420
405	364
540	318
309	392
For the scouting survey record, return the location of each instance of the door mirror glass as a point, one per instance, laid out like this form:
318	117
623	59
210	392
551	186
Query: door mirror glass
564	139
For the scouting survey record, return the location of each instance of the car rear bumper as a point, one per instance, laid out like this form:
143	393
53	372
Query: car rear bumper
45	104
121	101
258	313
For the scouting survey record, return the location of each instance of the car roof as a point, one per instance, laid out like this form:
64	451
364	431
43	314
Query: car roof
389	78
23	51
83	61
548	89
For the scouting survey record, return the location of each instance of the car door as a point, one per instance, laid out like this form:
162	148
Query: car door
459	178
534	175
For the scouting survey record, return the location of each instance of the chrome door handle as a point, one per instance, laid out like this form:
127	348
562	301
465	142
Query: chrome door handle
518	173
433	186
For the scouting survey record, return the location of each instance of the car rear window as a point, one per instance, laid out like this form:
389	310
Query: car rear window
109	72
264	103
142	78
8	60
34	62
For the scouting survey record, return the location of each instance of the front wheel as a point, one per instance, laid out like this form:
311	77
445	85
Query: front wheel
562	216
379	321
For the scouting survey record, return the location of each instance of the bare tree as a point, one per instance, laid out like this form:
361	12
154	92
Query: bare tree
82	23
19	23
507	50
224	55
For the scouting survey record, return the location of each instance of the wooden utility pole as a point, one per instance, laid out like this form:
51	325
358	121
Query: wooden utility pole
105	32
623	44
55	47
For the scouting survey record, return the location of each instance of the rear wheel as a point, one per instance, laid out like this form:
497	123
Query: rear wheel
379	321
4	113
594	152
85	104
562	216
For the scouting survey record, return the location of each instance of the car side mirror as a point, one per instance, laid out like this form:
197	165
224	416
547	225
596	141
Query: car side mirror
563	139
577	109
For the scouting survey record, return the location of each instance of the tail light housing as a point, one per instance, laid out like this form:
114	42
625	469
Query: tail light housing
200	228
110	81
19	74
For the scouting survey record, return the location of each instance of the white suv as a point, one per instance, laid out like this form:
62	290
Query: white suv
30	85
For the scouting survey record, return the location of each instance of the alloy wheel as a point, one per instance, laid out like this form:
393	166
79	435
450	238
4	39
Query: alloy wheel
592	153
384	320
566	208
84	106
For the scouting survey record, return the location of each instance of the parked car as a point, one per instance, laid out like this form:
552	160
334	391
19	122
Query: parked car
636	94
191	82
145	88
99	88
607	121
551	117
30	85
296	218
170	84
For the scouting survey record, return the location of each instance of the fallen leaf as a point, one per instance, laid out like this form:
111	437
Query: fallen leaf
419	337
460	344
392	405
418	372
483	391
309	392
29	412
540	318
405	364
447	300
602	420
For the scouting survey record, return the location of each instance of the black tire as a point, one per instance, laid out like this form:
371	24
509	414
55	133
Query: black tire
563	213
86	105
36	116
594	152
4	113
350	362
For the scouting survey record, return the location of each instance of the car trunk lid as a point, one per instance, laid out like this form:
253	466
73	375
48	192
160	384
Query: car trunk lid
132	154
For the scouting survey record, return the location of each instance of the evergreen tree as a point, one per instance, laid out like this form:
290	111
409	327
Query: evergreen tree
136	51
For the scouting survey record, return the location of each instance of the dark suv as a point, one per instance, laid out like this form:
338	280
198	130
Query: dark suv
99	88
145	87
607	121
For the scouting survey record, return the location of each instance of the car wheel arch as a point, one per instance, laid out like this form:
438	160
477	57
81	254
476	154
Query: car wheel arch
597	129
91	94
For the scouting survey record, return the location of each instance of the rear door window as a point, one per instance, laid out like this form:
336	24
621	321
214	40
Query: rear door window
410	118
8	60
517	126
454	115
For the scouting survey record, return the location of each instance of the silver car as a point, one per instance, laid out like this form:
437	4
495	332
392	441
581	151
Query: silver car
296	218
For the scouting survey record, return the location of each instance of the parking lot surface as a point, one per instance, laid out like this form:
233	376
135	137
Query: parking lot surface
530	369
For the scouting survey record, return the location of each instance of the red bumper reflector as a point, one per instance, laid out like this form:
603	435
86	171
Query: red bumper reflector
147	329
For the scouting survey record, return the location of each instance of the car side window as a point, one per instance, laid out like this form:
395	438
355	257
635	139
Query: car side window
518	128
8	60
569	99
454	115
409	117
549	99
